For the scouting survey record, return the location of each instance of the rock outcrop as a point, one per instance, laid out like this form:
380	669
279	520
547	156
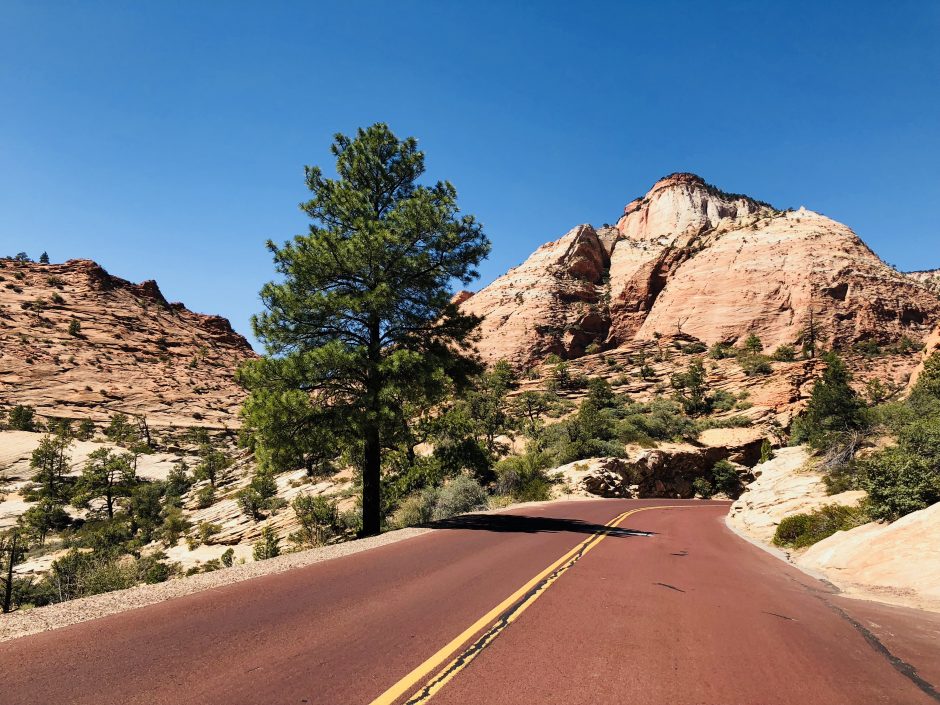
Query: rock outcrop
77	342
689	258
784	485
897	562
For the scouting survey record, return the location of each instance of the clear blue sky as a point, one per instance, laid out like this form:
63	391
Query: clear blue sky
167	139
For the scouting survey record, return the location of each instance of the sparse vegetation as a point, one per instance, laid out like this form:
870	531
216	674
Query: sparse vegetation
803	530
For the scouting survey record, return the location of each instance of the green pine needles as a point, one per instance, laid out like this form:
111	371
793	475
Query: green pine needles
359	327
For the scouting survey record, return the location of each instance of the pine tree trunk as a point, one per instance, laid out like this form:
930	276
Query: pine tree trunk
8	588
371	490
372	461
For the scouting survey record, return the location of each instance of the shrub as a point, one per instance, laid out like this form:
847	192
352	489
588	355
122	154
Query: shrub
802	530
461	495
899	482
227	559
753	344
75	328
755	364
22	418
205	497
416	509
694	348
720	351
703	488
785	353
268	546
766	451
318	517
523	478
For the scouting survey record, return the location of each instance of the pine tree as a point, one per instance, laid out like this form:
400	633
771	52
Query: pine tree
44	258
13	548
362	316
106	476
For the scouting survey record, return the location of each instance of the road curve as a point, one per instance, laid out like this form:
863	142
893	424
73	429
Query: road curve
549	604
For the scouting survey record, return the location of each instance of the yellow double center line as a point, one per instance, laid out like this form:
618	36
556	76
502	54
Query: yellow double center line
500	617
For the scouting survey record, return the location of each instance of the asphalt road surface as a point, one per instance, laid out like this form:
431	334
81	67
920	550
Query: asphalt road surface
593	602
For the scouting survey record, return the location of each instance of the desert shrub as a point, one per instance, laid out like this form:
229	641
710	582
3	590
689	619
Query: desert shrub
75	328
205	497
523	478
802	530
268	546
899	481
755	364
227	559
173	527
460	495
256	498
726	479
784	353
21	418
592	349
753	344
416	509
723	401
766	451
720	351
703	488
318	517
694	348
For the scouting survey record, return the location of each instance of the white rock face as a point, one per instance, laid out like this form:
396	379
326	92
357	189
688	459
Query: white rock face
898	563
784	486
690	258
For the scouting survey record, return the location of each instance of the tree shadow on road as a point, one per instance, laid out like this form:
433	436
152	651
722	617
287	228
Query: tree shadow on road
530	525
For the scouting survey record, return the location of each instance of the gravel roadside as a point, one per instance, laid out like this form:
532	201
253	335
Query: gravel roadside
40	619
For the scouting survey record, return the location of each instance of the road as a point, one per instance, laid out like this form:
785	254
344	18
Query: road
548	604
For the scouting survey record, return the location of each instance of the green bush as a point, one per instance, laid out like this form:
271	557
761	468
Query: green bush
268	546
22	418
785	353
802	530
899	481
755	364
523	478
460	495
318	517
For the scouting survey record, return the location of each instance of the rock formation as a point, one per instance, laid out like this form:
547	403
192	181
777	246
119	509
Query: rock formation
689	258
77	342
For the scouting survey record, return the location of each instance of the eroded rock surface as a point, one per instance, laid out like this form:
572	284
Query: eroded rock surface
689	258
128	350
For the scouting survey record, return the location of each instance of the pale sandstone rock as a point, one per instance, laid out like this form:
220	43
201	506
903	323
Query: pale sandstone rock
785	485
897	563
688	258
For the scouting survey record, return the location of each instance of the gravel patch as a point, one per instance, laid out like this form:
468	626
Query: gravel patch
41	619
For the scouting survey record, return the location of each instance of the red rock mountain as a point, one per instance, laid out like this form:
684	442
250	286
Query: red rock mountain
78	342
690	258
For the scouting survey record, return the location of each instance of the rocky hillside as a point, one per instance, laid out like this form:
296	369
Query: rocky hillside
78	342
929	278
689	258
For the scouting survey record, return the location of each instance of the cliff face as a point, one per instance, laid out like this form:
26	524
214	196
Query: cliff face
688	258
129	349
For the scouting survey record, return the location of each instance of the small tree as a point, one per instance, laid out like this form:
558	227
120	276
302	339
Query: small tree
22	257
213	464
44	258
834	408
106	476
691	389
269	546
753	344
13	549
318	517
22	418
85	430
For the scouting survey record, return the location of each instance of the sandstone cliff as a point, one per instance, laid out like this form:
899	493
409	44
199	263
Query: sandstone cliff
689	258
77	342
